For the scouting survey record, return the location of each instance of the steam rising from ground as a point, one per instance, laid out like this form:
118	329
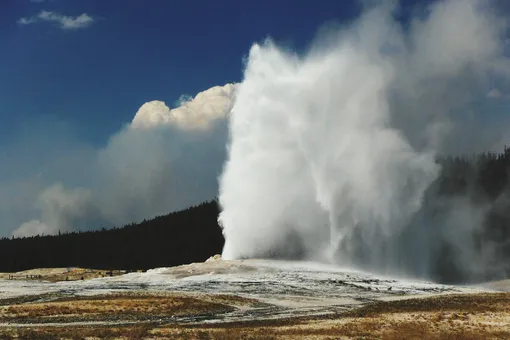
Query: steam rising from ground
332	154
164	160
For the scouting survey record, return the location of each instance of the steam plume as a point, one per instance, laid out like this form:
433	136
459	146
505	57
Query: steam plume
332	154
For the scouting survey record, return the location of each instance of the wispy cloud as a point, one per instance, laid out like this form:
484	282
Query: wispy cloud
37	1
62	21
496	93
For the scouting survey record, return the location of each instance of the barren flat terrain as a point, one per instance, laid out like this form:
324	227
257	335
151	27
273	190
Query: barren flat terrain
250	299
60	274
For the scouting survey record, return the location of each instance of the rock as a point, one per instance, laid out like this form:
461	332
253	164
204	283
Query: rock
216	257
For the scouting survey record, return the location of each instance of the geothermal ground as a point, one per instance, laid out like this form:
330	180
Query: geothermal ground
246	299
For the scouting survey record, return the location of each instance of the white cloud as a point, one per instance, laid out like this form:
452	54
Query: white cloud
165	160
193	114
26	21
60	208
494	93
63	21
32	228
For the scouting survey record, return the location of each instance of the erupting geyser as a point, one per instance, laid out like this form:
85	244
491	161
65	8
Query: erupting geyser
332	154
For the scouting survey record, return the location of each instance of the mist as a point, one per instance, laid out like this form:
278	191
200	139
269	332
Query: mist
333	153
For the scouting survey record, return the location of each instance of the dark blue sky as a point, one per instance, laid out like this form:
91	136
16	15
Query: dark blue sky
95	78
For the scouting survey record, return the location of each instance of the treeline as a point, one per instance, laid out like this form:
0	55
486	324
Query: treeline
186	236
471	199
481	178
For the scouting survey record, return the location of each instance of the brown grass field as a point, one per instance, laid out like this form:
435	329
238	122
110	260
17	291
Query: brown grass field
163	316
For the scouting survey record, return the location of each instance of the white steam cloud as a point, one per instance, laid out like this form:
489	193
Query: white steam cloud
164	160
332	154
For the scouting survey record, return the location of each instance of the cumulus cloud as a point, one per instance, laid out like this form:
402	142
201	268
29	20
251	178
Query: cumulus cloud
194	113
63	21
164	160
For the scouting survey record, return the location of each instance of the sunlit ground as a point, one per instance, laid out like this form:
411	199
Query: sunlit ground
249	299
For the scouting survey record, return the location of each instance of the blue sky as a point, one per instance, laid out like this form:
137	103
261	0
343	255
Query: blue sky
94	78
73	73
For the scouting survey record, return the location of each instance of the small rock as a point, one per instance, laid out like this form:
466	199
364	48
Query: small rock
216	257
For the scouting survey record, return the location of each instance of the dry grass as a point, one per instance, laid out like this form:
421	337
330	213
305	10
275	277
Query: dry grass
464	317
468	303
232	300
112	307
127	332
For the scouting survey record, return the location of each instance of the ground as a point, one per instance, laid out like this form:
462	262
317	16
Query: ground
60	274
250	300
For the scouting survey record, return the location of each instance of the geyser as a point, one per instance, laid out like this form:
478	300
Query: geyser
332	154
